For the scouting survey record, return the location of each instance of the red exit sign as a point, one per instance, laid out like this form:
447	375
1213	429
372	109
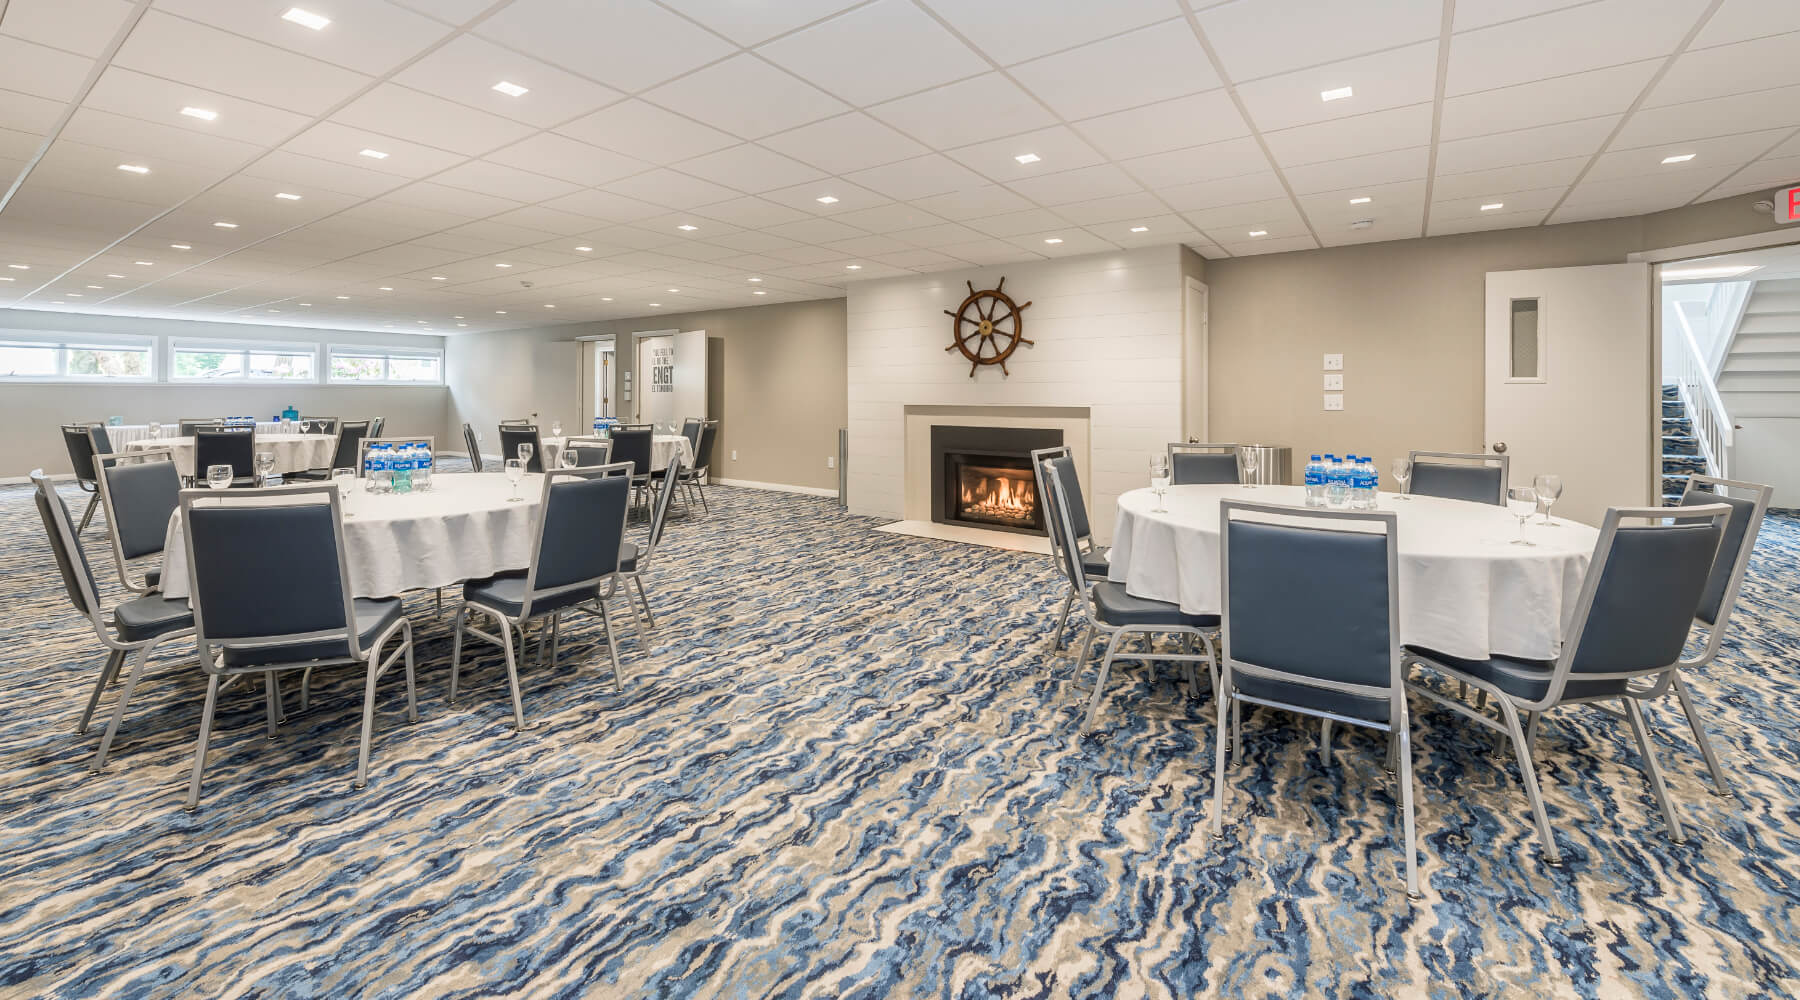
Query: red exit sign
1787	205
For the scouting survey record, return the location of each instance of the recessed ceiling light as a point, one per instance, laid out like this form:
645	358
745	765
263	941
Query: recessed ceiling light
674	291
1054	239
73	295
1679	158
224	225
1721	271
133	168
852	267
373	154
115	276
56	302
687	229
20	267
456	317
511	89
145	263
759	292
499	312
419	321
462	324
1361	201
1259	232
585	249
343	297
274	310
1028	157
1140	229
287	196
306	303
96	288
1493	206
8	279
1337	94
306	18
549	305
656	305
502	265
387	288
827	200
439	277
606	298
752	279
200	113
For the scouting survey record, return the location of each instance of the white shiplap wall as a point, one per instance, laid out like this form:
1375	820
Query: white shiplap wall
1108	332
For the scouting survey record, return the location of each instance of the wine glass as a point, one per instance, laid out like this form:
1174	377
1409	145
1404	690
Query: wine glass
1247	459
218	477
345	481
265	464
1159	480
515	471
524	455
1549	489
154	431
570	457
1401	470
556	428
1521	502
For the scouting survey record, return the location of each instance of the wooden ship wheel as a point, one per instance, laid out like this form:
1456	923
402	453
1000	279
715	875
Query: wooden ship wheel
987	327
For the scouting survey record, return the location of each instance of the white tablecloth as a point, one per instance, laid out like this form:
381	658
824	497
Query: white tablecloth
464	529
662	447
293	452
124	434
1464	590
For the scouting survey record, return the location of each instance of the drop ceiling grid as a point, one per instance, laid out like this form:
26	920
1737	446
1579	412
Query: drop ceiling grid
778	106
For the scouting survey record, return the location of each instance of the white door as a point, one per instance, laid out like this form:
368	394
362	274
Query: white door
1570	383
655	378
689	378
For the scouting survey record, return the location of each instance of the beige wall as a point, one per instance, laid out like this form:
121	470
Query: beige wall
1408	316
776	383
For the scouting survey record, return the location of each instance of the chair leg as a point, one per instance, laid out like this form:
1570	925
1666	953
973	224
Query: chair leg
462	615
1112	647
272	696
1528	774
438	596
644	599
703	504
140	659
1237	730
612	644
206	721
1062	619
1406	804
114	660
1219	754
1635	716
512	672
637	624
1325	741
412	700
88	515
368	722
1706	748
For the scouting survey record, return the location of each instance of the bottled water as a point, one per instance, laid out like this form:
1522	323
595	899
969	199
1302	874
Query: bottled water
1315	482
378	470
421	476
1364	484
401	467
1337	482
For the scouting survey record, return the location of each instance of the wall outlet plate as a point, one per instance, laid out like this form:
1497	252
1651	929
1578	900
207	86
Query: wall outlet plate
831	461
734	454
1334	383
1334	401
1334	362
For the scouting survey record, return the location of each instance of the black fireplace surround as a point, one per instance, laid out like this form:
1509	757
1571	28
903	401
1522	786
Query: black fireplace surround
993	457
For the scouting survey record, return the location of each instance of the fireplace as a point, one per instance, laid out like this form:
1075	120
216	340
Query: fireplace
981	476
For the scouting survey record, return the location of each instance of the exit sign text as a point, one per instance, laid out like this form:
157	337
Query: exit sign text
1787	205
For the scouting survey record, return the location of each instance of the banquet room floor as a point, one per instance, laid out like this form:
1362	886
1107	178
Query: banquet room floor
848	768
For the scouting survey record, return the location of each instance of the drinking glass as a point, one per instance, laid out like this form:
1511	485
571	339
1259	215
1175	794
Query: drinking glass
1247	459
1159	480
515	471
569	457
524	455
556	428
1549	489
345	481
265	464
218	476
1401	470
1522	501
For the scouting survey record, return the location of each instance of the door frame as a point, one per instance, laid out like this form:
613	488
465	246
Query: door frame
1196	330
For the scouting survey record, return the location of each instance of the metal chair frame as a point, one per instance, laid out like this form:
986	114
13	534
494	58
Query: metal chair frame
89	485
1084	545
659	517
472	444
1202	448
104	462
1503	462
586	442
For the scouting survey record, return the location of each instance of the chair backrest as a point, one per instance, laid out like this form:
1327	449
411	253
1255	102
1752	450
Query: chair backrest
1457	476
1310	600
1749	502
690	429
233	539
233	446
79	439
189	425
634	445
1062	463
709	434
1065	551
659	514
71	559
587	450
139	492
347	453
318	425
580	525
515	422
1642	589
514	435
472	444
377	425
1192	463
102	440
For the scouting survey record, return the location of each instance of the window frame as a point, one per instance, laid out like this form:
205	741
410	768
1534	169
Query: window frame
244	348
388	354
64	342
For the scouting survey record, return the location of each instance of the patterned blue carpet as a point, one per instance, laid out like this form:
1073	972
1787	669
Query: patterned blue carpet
846	767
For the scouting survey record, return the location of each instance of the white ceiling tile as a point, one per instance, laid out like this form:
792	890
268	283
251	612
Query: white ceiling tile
920	260
1086	183
293	169
41	71
1140	67
1057	149
1012	31
432	121
1071	241
1375	132
670	189
647	132
24	113
149	98
1485	223
748	22
1376	168
1532	145
344	144
606	206
466	69
1258	38
90	169
164	45
1472	14
1383	80
1762	64
1791	147
504	181
1031	220
888	218
448	11
1119	207
845	143
813	231
1198	163
806	197
1385	200
1538	200
921	177
1398	223
1742	20
443	198
753	213
974	203
991	252
875	53
748	167
369	36
940	235
868	246
565	159
627	44
155	140
972	110
747	97
546	220
1546	102
1703	119
1765	174
1501	180
1185	121
1158	230
1273	244
1710	154
1605	33
1264	186
85	27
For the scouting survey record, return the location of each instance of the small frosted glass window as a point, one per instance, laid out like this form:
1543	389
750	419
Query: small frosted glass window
1526	333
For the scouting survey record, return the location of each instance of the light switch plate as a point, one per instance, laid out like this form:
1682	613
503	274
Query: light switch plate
1334	401
1334	362
1334	383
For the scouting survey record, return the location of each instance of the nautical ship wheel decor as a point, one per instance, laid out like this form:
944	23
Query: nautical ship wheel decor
987	327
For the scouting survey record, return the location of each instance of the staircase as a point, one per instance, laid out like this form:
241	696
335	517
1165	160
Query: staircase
1681	456
1761	374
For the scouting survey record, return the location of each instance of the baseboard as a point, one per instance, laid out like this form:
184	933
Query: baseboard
811	491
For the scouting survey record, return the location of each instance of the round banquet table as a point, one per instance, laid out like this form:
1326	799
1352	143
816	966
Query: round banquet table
123	434
662	447
1464	589
463	529
293	452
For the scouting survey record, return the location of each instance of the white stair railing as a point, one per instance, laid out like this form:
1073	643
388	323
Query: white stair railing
1700	394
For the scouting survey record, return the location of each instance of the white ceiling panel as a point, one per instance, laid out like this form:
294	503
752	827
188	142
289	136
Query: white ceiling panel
448	11
85	27
748	22
1013	31
466	69
1273	244
969	111
647	132
23	113
1237	190
888	218
805	197
1539	200
500	180
1532	145
369	36
752	213
1140	67
41	71
1399	77
671	189
1397	223
990	252
567	160
432	121
1375	132
344	144
1141	205
746	97
1598	92
1032	220
921	177
154	140
1057	149
606	206
1589	36
1258	38
1198	163
1765	174
1472	14
1158	128
627	44
750	168
135	95
1710	155
1376	168
1487	222
179	49
1762	64
1742	20
1100	181
1720	116
444	198
974	203
292	169
1500	180
845	143
876	52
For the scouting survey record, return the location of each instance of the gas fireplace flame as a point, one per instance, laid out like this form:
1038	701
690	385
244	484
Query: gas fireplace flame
1001	498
